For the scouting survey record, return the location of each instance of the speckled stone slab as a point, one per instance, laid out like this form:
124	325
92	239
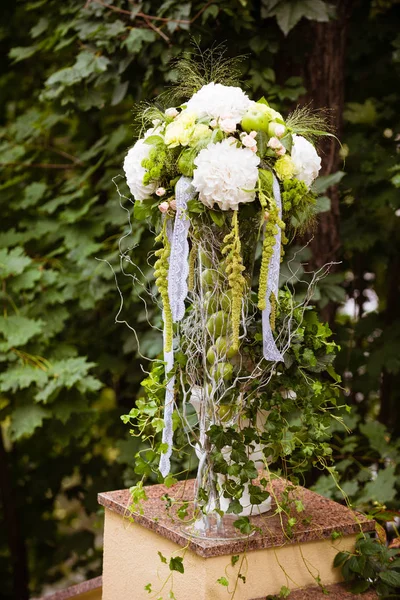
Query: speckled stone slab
76	590
320	518
334	592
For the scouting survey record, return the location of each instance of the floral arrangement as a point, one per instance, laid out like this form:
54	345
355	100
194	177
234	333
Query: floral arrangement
225	181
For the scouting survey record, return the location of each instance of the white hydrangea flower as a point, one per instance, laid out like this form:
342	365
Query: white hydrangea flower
225	175
306	161
219	101
134	171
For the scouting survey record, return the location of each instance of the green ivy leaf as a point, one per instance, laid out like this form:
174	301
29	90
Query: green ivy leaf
176	564
244	525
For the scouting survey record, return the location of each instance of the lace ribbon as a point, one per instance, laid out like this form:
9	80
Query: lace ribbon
177	291
270	350
178	262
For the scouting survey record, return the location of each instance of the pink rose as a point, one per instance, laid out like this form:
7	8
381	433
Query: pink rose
163	207
160	191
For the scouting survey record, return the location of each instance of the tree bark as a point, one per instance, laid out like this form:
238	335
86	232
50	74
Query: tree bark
16	542
389	414
324	78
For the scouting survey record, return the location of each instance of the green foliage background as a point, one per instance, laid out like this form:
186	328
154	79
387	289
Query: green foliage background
70	74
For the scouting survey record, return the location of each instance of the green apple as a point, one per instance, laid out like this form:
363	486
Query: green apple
205	259
224	371
210	301
223	347
225	412
217	324
209	278
258	117
211	356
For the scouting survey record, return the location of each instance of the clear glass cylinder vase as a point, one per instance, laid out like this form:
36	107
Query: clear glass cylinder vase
217	373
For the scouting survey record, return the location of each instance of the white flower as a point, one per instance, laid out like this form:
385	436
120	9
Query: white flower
228	125
219	101
160	191
225	175
306	161
134	171
171	113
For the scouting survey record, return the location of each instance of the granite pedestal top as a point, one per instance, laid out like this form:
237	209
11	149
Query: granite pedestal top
90	585
320	518
337	591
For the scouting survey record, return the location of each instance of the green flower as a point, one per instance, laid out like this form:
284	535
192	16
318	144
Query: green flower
284	168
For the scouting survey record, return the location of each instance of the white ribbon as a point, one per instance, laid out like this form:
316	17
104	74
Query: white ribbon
178	262
168	434
270	350
177	291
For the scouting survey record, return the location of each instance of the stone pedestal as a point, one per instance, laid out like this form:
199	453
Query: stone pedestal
268	559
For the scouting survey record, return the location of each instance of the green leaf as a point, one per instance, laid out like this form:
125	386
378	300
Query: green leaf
217	217
244	525
13	262
391	578
324	182
17	330
176	564
360	586
340	559
25	419
162	557
22	53
322	204
66	374
22	376
357	113
382	489
223	581
288	14
377	436
137	38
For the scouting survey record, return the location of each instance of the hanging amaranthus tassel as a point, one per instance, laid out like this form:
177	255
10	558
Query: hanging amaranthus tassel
271	229
192	264
161	274
234	270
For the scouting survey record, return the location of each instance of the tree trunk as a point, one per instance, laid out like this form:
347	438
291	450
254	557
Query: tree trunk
12	528
324	79
390	382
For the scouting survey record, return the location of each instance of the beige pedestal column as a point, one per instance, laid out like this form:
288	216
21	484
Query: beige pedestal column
136	546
